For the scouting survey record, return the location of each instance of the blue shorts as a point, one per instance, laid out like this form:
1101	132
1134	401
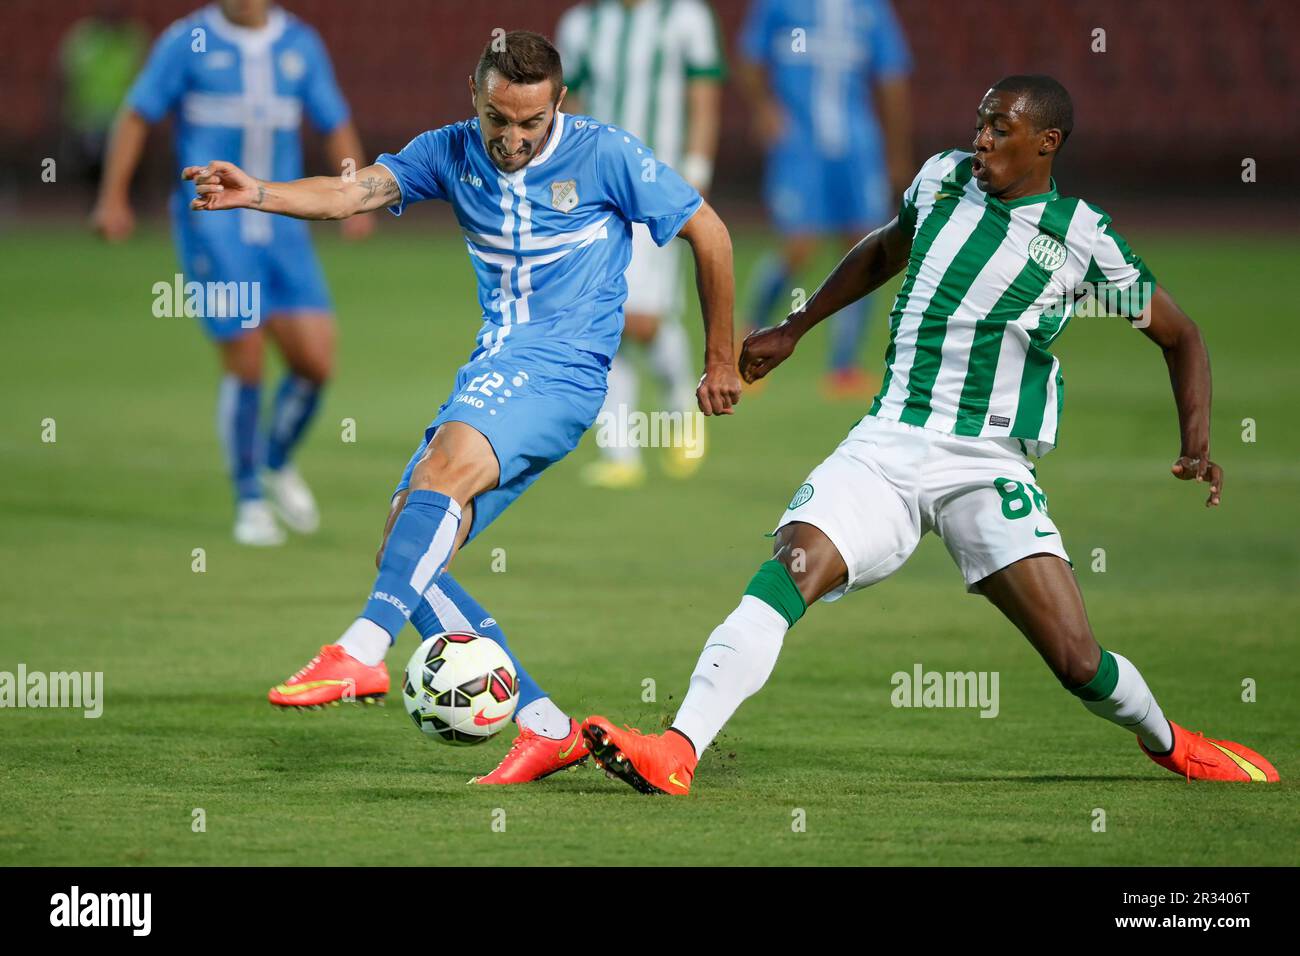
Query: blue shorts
533	405
806	193
287	274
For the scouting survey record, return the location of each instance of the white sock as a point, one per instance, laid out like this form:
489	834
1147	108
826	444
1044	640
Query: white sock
543	717
670	358
620	401
366	641
1133	706
737	660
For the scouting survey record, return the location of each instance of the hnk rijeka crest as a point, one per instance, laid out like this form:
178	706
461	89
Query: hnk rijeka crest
564	195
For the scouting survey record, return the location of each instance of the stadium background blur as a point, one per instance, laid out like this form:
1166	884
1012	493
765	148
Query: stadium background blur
1182	94
99	532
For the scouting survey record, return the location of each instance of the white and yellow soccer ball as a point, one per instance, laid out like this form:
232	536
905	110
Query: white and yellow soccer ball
460	688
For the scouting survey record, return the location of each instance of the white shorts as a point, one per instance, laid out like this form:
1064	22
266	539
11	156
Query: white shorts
888	483
654	276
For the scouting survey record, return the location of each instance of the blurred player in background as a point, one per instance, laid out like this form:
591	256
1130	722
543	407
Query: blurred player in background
809	71
237	77
654	68
98	58
546	203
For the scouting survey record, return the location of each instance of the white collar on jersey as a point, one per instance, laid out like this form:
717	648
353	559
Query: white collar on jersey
248	39
556	132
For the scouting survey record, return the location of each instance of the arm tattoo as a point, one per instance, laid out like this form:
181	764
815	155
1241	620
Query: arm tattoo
261	194
385	188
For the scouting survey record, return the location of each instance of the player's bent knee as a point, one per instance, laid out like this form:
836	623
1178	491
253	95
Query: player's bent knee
460	477
1078	661
811	558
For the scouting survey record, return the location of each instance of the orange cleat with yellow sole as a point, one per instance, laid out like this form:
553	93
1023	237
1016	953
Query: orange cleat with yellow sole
533	757
1197	757
649	763
331	677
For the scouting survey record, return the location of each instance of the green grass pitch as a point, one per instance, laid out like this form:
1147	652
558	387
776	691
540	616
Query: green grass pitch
603	590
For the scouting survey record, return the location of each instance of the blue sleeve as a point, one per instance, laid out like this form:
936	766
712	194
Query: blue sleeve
889	53
325	104
419	167
162	81
641	188
755	40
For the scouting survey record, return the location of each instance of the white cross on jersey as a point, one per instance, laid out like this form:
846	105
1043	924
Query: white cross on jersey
257	111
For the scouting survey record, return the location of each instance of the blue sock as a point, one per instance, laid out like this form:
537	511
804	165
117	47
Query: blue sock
296	401
238	406
447	606
848	329
767	285
418	547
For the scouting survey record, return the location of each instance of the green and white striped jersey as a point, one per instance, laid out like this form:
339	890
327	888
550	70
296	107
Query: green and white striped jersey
631	63
989	287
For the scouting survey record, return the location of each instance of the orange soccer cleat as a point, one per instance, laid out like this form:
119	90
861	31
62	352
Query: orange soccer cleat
1197	757
650	763
533	757
332	676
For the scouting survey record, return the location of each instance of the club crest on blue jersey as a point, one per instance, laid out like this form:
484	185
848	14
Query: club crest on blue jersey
564	195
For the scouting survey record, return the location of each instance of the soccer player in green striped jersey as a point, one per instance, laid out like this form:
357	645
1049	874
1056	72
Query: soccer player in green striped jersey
654	68
996	262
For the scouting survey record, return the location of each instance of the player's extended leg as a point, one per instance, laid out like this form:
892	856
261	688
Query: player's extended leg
736	662
306	340
1039	594
549	739
457	464
238	408
446	605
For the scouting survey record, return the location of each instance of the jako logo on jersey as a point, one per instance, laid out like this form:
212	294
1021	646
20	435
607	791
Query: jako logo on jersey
487	622
1047	252
801	497
475	181
564	195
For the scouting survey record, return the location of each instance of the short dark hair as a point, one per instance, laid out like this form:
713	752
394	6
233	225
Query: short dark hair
1050	106
521	56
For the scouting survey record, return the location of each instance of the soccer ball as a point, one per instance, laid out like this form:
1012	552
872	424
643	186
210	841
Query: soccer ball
460	688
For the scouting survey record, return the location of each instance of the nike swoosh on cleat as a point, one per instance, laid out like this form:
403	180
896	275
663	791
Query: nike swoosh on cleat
1256	775
1043	534
564	752
290	689
672	778
481	721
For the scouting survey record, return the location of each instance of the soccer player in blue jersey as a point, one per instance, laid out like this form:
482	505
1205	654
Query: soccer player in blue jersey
814	74
546	202
236	78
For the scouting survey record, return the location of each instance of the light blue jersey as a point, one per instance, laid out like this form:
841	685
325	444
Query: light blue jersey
822	59
549	243
239	94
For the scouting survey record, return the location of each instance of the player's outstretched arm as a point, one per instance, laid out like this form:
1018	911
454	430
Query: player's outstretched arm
719	388
868	265
222	185
1189	373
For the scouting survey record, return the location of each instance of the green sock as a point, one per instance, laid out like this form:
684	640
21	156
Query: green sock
773	585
